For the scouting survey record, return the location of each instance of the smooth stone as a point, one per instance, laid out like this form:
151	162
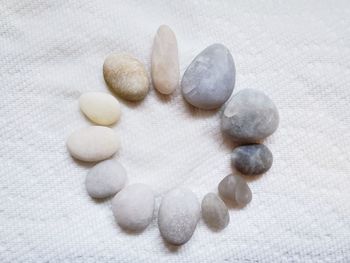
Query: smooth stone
105	179
126	76
165	61
99	107
235	189
252	159
215	212
133	207
209	80
250	116
93	144
178	216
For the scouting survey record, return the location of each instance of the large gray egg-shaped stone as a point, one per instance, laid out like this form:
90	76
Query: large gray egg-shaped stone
252	159
214	212
105	179
178	216
209	80
133	207
250	116
235	189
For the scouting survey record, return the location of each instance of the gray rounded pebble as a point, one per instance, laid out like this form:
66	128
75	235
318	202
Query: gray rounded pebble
252	159
133	207
178	216
235	189
250	116
214	212
209	80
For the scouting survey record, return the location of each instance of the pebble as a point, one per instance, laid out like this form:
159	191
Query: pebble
93	144
126	76
105	179
215	212
133	207
99	107
252	159
165	61
235	189
209	80
178	216
250	116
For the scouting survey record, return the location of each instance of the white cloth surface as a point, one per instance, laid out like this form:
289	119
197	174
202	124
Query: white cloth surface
298	52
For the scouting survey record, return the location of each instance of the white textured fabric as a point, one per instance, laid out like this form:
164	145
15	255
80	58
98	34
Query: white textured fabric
298	52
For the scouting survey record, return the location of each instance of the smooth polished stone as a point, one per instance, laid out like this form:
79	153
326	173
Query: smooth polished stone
133	207
252	159
250	116
178	216
235	189
215	212
209	80
165	61
93	144
105	179
99	107
126	76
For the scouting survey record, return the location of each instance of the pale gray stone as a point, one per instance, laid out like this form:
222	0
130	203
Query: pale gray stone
209	80
214	212
250	116
235	189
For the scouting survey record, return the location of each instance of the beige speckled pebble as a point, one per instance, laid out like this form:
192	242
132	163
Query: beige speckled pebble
127	76
215	212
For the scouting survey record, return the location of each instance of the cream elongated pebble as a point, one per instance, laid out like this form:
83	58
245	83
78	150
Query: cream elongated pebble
215	212
165	61
126	76
178	216
133	207
105	179
92	144
99	107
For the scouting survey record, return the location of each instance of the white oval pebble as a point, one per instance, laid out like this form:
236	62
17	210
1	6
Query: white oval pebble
92	144
133	207
215	212
178	216
99	107
105	179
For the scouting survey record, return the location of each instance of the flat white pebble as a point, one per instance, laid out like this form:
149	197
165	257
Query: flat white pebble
178	216
235	189
99	107
133	207
105	179
214	212
93	144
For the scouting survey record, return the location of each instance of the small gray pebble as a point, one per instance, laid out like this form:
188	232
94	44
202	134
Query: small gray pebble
252	159
235	189
250	116
209	80
215	212
105	179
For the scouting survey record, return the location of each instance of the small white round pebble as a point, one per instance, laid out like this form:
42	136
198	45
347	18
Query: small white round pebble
215	212
99	107
93	144
178	216
105	179
133	207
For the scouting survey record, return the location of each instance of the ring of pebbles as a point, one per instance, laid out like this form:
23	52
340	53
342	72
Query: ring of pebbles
248	117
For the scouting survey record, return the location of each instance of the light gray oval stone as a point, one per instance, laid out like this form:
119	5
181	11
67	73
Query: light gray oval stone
178	216
215	212
252	159
105	179
209	80
250	116
235	189
133	207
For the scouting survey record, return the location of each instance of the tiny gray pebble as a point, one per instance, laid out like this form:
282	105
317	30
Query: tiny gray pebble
209	80
252	159
215	212
235	189
250	116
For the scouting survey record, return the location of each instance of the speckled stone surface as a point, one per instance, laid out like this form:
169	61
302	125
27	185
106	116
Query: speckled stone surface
209	80
252	159
214	212
250	116
235	189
